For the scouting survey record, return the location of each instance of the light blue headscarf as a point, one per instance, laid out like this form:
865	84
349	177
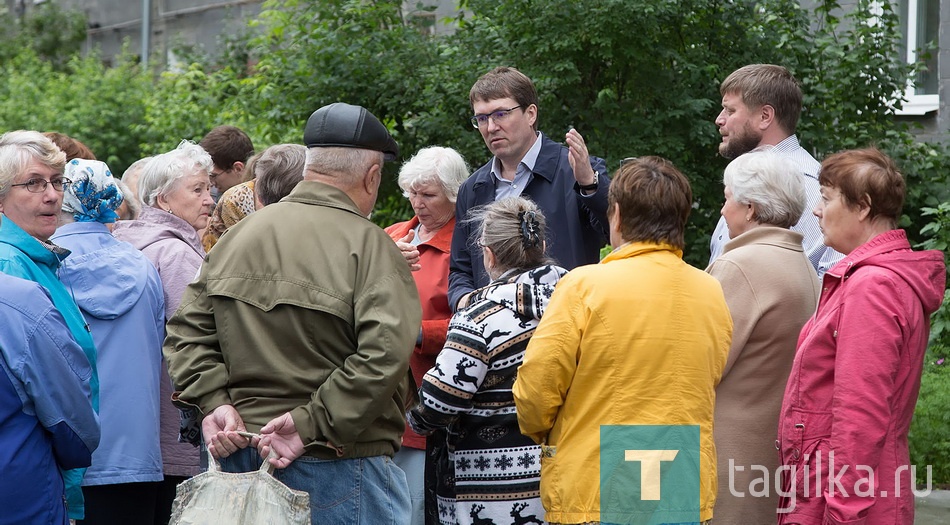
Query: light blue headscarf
93	195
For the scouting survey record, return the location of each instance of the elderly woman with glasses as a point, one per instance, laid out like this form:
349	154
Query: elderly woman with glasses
31	194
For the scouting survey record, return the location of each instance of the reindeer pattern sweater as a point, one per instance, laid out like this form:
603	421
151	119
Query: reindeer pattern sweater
493	472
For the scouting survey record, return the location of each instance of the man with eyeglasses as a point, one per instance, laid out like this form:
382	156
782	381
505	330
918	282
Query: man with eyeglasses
567	183
229	148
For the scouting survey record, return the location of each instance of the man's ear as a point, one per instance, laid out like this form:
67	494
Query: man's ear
532	112
238	166
766	117
373	177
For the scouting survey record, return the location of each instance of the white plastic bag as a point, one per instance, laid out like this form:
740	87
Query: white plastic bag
248	498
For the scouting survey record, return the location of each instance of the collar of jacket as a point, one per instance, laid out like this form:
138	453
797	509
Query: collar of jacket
442	240
168	224
321	194
633	249
886	242
770	235
12	234
545	167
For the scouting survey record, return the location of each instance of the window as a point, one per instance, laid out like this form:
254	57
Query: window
919	20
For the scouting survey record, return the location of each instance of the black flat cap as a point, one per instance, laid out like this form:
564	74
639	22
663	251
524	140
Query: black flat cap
347	126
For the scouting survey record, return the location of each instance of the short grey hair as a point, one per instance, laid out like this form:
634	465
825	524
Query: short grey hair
131	177
161	174
19	148
345	165
278	170
131	201
769	181
434	164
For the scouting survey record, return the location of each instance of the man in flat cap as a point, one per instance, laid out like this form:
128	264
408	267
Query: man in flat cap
300	327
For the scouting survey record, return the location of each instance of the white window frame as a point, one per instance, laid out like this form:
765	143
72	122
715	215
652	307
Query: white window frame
915	104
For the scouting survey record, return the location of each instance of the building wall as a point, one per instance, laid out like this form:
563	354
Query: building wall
199	23
193	22
935	126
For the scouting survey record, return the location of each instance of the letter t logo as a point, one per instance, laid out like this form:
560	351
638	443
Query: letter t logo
649	470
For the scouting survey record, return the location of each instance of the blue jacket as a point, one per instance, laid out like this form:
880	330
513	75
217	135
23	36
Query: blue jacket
46	418
577	225
23	256
120	294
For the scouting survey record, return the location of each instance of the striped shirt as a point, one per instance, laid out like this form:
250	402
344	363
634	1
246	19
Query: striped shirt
821	256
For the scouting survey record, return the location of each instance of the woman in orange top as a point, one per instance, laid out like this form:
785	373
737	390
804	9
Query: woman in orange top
430	180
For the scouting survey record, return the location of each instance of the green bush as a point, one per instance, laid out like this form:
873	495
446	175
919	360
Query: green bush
930	429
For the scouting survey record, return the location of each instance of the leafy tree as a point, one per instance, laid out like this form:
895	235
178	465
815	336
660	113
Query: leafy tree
86	100
52	33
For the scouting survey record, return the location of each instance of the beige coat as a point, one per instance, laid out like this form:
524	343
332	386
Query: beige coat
771	289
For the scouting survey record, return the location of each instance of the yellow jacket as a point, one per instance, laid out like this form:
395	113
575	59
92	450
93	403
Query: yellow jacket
640	339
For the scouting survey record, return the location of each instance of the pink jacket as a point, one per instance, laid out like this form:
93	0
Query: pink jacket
853	387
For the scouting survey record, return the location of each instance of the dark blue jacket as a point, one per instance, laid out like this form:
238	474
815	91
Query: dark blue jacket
46	418
576	224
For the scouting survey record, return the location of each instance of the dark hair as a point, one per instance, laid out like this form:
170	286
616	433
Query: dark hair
767	84
70	146
279	168
505	82
654	199
227	145
863	175
514	229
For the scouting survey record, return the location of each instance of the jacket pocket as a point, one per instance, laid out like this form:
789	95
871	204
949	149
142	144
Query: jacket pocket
811	470
802	435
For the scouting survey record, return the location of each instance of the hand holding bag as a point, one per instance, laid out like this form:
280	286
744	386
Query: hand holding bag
249	498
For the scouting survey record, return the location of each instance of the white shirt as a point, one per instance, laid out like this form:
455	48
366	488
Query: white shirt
513	188
821	256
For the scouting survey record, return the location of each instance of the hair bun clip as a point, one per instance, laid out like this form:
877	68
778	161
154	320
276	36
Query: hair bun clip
530	229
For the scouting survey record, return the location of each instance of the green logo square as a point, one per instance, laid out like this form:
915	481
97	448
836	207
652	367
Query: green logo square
649	474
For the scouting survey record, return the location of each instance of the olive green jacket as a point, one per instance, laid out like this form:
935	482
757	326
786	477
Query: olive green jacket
304	307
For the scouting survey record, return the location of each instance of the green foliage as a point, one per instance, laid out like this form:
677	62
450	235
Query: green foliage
930	430
86	100
186	105
52	33
635	77
937	232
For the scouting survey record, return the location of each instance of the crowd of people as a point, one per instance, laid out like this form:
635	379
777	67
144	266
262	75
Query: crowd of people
479	363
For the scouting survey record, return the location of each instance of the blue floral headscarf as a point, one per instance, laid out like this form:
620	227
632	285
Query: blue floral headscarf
93	195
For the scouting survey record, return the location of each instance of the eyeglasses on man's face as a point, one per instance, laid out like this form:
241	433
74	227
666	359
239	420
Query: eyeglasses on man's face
215	173
39	185
496	117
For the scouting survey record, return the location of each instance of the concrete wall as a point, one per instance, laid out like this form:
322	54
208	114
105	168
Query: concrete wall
199	23
935	126
193	22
